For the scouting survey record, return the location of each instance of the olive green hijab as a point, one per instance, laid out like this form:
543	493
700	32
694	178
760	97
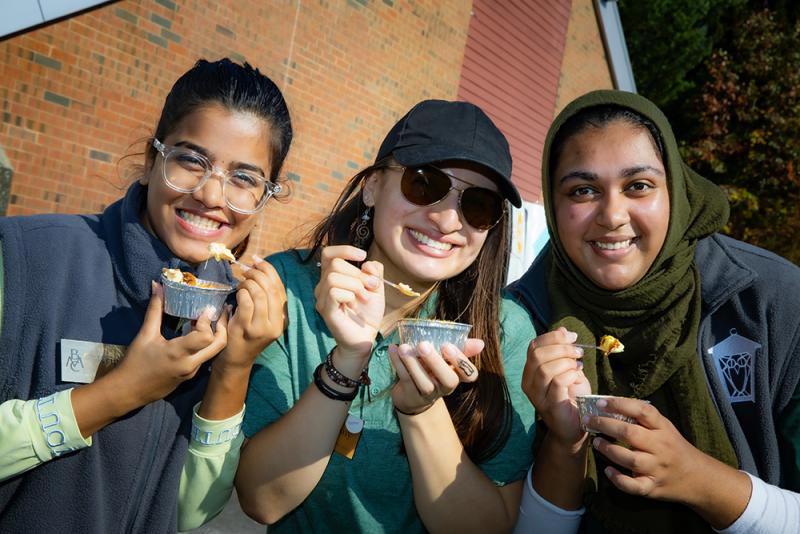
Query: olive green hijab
657	319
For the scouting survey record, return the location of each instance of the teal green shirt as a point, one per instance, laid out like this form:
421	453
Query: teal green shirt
372	492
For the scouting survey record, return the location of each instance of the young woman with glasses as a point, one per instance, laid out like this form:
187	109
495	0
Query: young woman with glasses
351	432
98	447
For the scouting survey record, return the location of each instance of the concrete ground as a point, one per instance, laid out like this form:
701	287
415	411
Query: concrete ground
231	521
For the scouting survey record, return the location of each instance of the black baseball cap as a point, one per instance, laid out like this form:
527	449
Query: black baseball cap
440	130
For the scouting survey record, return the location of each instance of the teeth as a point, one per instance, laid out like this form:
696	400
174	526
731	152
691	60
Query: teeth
198	221
425	240
613	246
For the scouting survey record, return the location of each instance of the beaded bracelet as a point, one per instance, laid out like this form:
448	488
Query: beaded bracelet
337	377
328	391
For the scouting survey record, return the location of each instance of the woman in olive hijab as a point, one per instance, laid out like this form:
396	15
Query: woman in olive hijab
710	329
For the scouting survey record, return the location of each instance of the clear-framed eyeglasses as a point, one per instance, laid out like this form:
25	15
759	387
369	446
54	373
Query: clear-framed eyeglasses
186	171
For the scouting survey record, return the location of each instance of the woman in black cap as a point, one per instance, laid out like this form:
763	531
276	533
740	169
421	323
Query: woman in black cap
348	431
710	334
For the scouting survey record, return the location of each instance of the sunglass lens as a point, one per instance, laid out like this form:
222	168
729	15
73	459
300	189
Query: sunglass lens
424	186
482	208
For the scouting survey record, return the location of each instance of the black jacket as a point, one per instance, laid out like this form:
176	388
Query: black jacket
748	341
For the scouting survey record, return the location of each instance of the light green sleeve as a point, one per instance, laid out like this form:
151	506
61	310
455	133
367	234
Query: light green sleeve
207	476
36	431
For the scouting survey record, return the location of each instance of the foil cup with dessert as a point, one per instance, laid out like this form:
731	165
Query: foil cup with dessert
587	404
188	297
414	331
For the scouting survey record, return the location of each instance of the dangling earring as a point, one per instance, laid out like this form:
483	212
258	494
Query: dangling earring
363	232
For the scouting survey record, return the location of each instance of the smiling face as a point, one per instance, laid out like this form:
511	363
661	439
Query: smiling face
611	203
423	244
188	222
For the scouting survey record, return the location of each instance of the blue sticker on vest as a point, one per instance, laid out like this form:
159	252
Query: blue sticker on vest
734	358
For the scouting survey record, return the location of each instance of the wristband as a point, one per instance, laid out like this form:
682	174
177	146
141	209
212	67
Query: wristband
425	409
209	433
217	437
337	377
328	391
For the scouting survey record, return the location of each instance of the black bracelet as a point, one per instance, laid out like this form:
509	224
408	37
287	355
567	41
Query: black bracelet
337	377
398	410
328	391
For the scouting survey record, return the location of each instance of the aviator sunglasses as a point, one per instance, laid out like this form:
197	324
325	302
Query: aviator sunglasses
426	185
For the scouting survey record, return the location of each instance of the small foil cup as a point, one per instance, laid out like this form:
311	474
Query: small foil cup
414	331
587	405
189	302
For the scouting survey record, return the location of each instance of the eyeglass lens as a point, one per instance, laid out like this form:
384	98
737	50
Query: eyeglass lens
185	169
482	208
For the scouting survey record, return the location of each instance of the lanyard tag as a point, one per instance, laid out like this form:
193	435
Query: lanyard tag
350	433
83	361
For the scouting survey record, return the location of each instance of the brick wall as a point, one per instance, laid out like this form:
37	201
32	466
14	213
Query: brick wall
77	93
584	65
511	68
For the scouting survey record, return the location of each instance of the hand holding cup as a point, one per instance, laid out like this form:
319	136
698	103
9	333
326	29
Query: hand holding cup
425	374
552	379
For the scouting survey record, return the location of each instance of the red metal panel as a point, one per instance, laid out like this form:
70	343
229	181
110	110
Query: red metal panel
511	68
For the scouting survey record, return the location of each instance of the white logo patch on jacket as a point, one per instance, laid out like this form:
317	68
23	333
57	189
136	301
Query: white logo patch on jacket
734	358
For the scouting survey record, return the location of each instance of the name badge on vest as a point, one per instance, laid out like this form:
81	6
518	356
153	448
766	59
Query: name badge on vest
84	361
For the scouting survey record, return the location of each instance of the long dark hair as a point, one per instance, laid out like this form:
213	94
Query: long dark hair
237	88
481	411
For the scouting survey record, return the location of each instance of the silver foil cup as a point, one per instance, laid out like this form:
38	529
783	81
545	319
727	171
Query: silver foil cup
587	405
414	331
189	302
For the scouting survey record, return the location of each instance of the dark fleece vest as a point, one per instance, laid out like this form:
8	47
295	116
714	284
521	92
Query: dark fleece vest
88	278
758	294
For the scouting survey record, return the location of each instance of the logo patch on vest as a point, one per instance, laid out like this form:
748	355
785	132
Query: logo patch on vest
734	358
83	361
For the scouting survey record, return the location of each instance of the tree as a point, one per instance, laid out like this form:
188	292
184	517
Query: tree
669	41
727	75
749	118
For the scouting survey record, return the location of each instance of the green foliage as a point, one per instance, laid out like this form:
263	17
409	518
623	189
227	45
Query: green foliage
748	140
669	40
783	9
727	74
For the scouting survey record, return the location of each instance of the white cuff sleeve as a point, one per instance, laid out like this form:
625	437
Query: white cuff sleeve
52	425
536	514
215	437
771	510
36	431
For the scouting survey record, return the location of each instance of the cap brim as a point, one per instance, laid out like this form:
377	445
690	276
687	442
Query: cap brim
416	155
